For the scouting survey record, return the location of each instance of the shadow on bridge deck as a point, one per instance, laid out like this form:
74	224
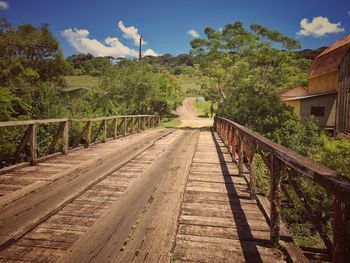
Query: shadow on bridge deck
219	222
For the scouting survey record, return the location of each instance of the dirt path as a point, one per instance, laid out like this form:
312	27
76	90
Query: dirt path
189	116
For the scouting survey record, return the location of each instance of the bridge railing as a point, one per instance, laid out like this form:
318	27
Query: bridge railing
64	134
281	161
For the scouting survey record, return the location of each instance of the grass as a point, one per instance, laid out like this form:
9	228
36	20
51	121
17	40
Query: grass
82	81
170	122
203	108
189	84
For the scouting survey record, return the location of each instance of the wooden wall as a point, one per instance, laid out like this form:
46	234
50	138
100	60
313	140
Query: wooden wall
324	83
343	104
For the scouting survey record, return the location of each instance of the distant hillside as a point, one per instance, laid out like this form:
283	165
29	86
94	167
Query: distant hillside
310	53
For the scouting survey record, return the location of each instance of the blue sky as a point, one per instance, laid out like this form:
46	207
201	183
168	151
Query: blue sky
111	27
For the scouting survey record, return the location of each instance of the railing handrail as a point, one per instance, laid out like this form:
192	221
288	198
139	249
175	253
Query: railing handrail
29	122
330	180
119	125
281	162
59	120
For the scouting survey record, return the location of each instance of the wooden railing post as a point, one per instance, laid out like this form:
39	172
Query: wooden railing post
233	144
275	199
252	172
88	134
132	124
225	133
240	154
104	130
33	143
65	137
115	128
24	141
341	232
228	133
221	128
138	123
229	130
125	125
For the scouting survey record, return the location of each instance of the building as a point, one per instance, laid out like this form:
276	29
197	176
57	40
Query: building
328	95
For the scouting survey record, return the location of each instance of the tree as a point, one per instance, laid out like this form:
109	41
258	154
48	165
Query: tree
243	70
29	55
138	88
87	64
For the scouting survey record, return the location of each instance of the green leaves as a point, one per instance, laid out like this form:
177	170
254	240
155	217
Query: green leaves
139	88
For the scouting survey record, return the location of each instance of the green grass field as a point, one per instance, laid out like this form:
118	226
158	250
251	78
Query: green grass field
189	84
170	122
82	81
203	108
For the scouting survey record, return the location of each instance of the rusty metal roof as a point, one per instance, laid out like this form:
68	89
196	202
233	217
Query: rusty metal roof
329	59
339	43
307	96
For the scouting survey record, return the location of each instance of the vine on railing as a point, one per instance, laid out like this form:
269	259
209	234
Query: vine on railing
283	162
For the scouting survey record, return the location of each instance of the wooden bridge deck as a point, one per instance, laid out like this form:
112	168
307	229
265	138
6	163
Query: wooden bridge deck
218	221
180	200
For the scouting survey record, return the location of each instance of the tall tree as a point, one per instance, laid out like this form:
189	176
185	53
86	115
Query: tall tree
30	58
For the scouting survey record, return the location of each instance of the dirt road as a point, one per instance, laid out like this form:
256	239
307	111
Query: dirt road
189	116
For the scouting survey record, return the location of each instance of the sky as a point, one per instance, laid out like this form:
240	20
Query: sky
113	27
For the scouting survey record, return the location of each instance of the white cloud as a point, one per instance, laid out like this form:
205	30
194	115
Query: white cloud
79	39
130	33
111	46
4	5
150	52
318	27
193	33
349	12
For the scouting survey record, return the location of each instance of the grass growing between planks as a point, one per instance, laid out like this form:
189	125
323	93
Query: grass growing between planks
82	81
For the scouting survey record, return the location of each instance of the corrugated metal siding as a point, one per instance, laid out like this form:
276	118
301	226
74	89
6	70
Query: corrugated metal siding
343	104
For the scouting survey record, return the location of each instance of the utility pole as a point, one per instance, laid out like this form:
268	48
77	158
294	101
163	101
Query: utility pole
140	47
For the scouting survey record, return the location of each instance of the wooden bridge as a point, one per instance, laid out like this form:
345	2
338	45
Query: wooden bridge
120	189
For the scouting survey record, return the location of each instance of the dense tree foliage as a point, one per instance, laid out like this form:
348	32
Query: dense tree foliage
87	64
309	53
30	59
176	64
243	70
128	87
